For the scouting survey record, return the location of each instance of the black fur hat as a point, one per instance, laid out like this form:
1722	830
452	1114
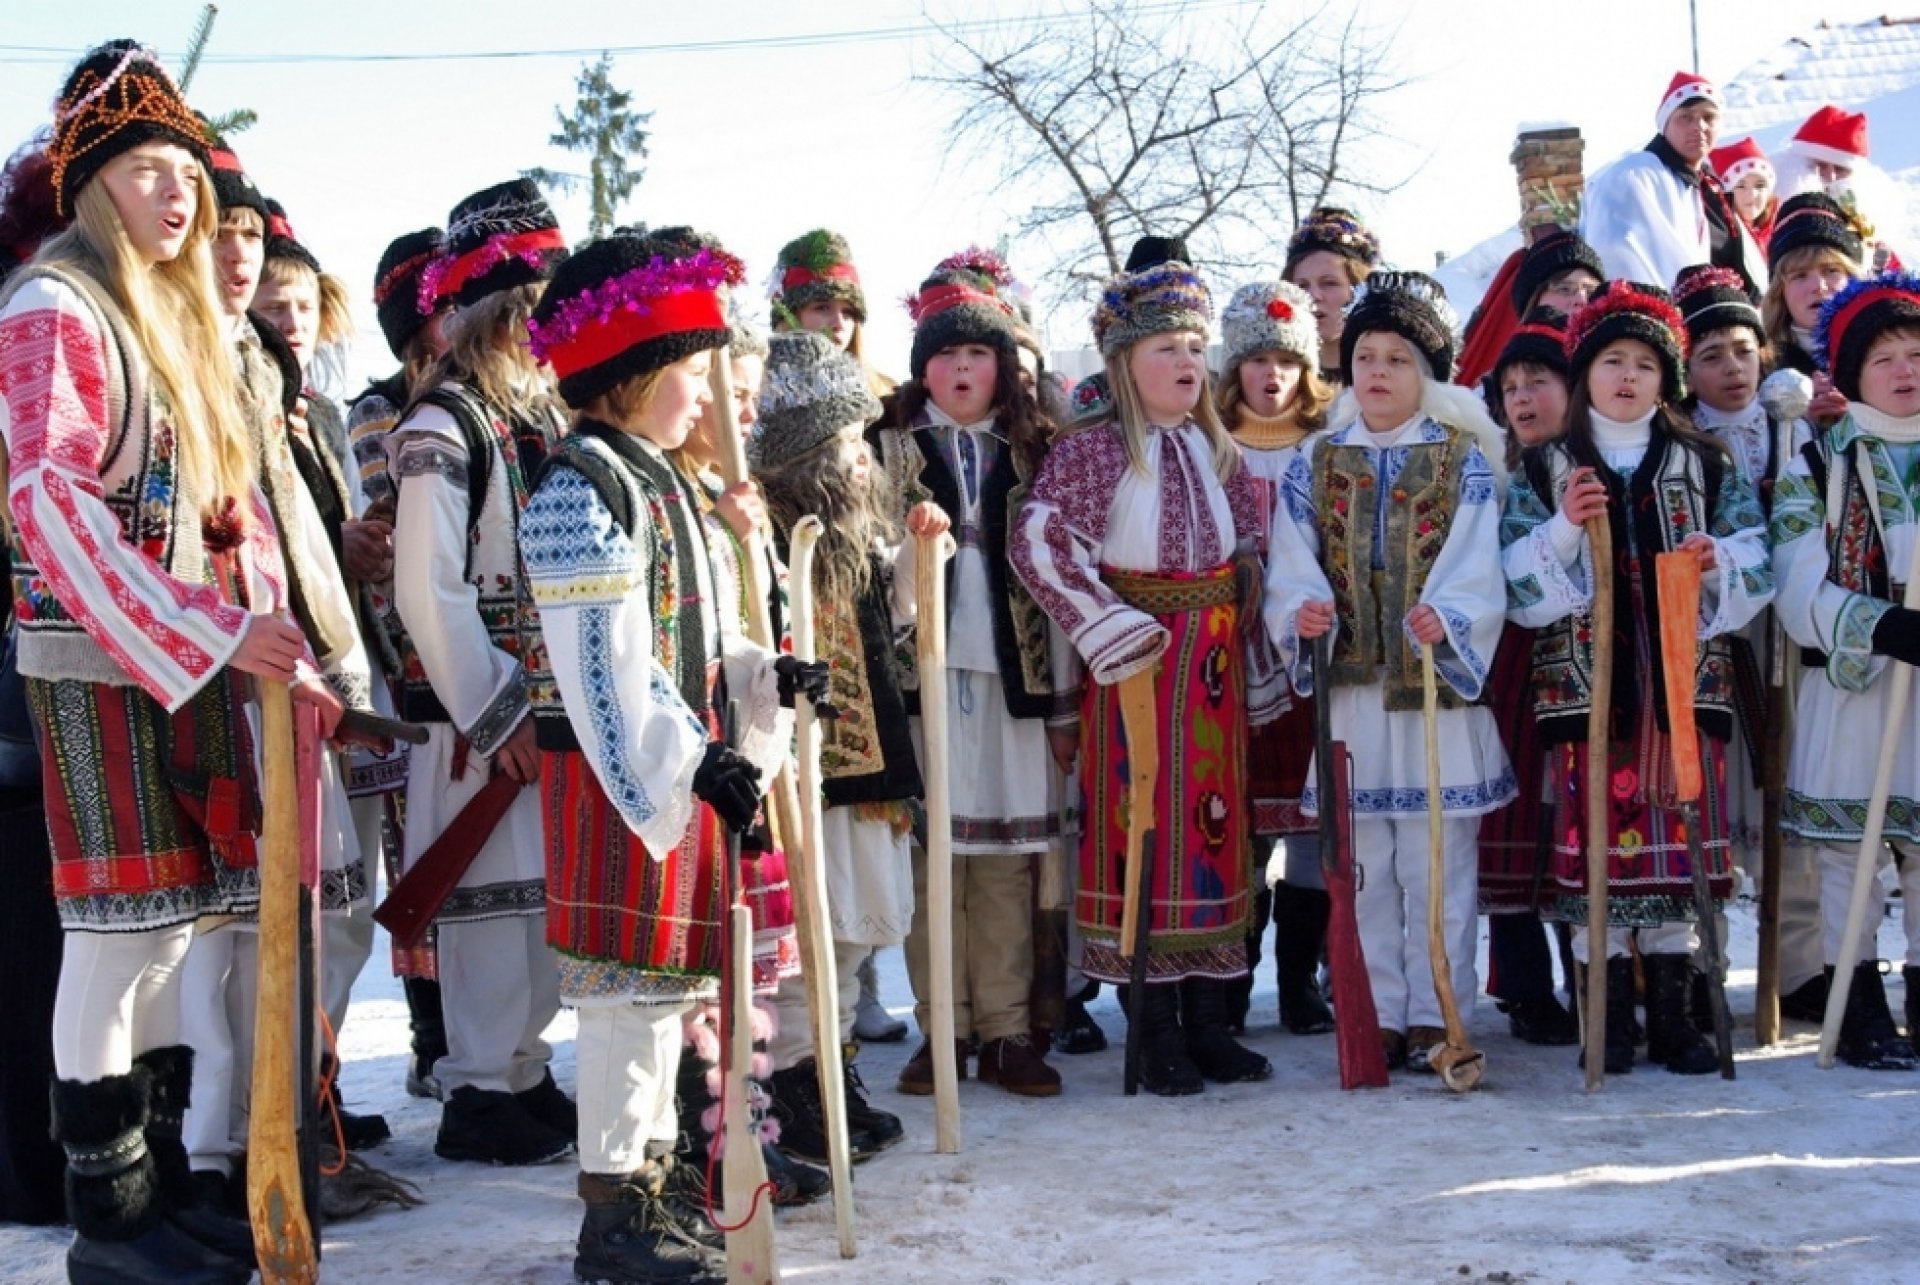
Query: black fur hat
1410	304
231	183
1546	259
959	303
1712	298
627	305
1152	251
1540	340
1813	218
1631	310
396	285
499	238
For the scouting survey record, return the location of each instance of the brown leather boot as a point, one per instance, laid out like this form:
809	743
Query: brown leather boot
1015	1064
916	1077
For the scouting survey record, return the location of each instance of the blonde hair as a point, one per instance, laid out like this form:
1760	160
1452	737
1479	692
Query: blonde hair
487	347
180	330
1311	396
330	295
1131	415
1774	317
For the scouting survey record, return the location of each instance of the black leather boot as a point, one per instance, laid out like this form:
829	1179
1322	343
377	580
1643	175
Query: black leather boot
1220	1057
1166	1068
1299	936
1673	1040
429	1024
121	1232
803	1123
1618	1056
629	1238
1868	1037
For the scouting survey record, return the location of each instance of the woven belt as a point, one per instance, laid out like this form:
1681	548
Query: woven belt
1171	595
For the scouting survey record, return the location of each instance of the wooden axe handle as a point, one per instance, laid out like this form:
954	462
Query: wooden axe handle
1139	719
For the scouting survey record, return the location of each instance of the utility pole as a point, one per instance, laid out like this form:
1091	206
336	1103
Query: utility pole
1693	20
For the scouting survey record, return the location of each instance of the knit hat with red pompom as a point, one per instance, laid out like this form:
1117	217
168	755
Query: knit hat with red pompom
1269	316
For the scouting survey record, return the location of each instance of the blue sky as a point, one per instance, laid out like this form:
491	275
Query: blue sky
759	144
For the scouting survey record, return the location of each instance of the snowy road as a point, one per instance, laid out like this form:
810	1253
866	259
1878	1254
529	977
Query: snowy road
1788	1174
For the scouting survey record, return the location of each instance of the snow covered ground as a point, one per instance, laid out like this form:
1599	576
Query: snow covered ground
1788	1174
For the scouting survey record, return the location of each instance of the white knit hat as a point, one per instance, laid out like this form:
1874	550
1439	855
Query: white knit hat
1267	315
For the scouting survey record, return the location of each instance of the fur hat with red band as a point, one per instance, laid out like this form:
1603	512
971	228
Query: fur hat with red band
1832	135
1712	298
626	305
1737	160
1631	310
961	302
1851	320
1684	88
116	98
1269	316
1540	340
498	238
396	285
231	183
283	242
811	269
1815	219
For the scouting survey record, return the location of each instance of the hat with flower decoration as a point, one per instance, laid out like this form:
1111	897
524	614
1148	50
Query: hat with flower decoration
627	305
1851	320
1336	231
1631	310
1266	316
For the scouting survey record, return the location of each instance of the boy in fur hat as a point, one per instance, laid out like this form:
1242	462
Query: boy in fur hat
1408	452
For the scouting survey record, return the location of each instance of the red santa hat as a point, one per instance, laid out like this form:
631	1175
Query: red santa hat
1737	160
1834	136
1682	89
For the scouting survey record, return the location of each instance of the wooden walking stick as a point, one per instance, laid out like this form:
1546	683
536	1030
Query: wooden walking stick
1139	720
1866	864
930	651
1460	1065
1599	728
1677	586
748	1218
283	1235
1773	790
807	873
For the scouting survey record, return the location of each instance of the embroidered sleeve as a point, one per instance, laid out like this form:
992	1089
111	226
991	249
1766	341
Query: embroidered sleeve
482	687
1293	573
1467	587
1056	552
598	621
169	635
1243	497
1815	610
1542	586
1741	584
367	426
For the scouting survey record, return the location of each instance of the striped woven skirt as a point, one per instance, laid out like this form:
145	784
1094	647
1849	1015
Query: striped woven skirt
1198	896
1512	837
1278	755
151	815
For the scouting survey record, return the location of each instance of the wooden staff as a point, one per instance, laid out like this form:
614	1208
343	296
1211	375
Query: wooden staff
930	651
283	1236
1773	789
1599	720
1677	589
807	873
1460	1065
1139	721
1866	864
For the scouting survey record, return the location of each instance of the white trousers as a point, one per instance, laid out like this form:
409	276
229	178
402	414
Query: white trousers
1836	893
119	996
500	987
1801	956
792	1041
628	1060
1677	938
220	988
1392	909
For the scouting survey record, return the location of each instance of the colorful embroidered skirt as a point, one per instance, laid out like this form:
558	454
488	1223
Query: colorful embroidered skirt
1649	872
1278	755
151	815
1198	896
1512	837
624	922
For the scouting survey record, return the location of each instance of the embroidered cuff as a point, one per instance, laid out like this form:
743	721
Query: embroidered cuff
1851	665
1121	644
502	714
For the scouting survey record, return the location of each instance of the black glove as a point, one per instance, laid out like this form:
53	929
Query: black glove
804	677
1897	634
730	785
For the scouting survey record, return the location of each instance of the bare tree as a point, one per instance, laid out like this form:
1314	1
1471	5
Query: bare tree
1133	118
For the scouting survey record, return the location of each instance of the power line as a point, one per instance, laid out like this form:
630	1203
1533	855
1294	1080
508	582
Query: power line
42	54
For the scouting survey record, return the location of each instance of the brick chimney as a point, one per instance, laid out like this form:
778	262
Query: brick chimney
1547	166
